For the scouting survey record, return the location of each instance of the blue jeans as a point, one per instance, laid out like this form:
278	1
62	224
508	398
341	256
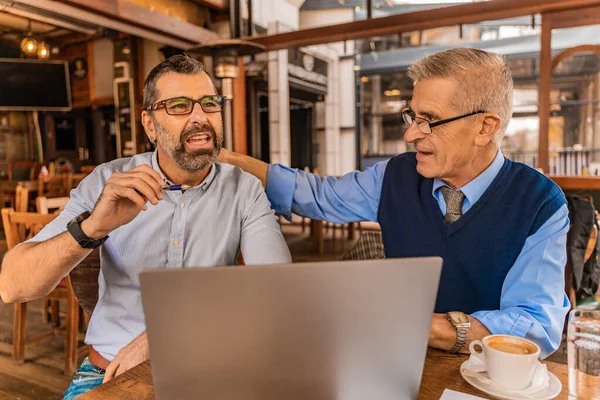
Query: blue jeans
86	378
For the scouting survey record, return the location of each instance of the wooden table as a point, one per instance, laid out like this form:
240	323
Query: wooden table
441	371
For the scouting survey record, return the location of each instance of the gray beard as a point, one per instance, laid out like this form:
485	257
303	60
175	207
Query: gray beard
191	160
197	160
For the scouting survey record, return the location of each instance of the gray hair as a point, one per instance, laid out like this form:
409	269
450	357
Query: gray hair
180	64
484	81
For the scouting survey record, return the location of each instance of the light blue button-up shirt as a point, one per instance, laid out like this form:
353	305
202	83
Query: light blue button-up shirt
533	303
202	227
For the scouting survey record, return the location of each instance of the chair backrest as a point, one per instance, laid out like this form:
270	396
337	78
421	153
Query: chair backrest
22	170
76	179
21	198
84	280
368	247
55	186
20	226
44	204
87	169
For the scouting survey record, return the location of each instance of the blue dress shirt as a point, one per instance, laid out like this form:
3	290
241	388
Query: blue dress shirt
533	302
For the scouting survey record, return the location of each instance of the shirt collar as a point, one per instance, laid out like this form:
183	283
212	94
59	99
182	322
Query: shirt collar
205	183
475	189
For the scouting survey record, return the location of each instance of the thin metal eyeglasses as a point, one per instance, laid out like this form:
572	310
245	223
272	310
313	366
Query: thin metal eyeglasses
425	126
185	105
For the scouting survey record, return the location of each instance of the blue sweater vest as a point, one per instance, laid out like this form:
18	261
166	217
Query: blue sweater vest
481	247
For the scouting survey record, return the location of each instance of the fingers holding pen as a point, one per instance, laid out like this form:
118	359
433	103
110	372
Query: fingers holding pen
146	187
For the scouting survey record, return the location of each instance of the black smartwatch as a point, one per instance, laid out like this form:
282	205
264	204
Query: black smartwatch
74	228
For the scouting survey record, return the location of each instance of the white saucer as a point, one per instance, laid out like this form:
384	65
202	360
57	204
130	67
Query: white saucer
550	392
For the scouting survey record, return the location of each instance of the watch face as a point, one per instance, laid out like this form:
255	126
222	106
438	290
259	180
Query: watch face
458	318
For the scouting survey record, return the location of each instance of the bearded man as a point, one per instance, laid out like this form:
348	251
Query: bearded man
135	209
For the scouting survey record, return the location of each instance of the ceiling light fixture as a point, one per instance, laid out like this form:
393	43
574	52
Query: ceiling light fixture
43	51
29	45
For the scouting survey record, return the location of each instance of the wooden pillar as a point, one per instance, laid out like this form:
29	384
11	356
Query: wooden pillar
91	70
138	87
240	131
544	91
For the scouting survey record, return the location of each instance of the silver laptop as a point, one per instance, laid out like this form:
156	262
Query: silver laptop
349	330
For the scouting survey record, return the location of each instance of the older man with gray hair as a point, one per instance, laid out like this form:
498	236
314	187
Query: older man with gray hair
499	225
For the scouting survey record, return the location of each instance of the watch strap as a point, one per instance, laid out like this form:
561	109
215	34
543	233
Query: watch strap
86	242
462	335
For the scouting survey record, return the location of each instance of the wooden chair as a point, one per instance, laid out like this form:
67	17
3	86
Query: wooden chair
21	199
16	173
76	179
368	247
31	224
590	246
32	166
84	280
21	204
55	186
44	205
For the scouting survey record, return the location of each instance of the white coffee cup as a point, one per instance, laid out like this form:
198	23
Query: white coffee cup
510	361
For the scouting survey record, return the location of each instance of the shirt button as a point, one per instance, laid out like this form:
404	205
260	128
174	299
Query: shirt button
176	242
182	205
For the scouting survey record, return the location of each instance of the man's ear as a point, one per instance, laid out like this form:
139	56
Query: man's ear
490	125
149	127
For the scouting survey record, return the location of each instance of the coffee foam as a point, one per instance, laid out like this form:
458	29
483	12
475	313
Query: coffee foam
511	345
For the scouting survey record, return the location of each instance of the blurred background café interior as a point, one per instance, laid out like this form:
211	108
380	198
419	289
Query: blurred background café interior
320	88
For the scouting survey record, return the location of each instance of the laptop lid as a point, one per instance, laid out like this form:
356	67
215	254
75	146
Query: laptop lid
336	330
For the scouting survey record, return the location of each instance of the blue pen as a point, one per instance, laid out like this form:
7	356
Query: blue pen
176	187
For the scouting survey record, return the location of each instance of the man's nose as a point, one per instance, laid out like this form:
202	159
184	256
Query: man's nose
413	133
198	116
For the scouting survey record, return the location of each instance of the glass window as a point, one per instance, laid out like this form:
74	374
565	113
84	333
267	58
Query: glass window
574	133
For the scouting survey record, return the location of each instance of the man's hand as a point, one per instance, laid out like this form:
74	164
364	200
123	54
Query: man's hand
124	196
134	353
255	167
224	155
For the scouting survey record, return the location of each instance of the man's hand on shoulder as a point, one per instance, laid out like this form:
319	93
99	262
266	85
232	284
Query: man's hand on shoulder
224	156
249	164
136	352
124	196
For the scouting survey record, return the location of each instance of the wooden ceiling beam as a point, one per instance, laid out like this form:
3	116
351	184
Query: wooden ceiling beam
145	18
415	21
75	38
214	4
571	18
131	15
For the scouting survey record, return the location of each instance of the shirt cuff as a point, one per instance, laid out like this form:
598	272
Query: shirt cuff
504	323
281	183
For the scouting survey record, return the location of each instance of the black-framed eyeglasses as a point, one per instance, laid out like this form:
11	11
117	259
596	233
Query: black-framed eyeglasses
425	126
185	105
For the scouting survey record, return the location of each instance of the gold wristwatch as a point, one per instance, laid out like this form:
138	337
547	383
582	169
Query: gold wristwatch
460	322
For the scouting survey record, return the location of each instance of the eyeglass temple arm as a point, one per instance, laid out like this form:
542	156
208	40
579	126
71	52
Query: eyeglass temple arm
445	121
